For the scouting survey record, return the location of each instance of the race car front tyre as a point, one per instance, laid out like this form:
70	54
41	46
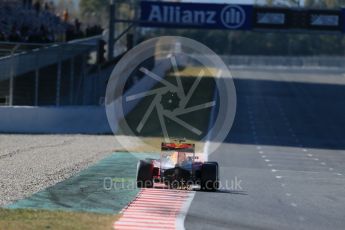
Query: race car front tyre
144	174
209	180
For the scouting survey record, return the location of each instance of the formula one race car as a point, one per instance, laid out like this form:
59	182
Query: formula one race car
178	167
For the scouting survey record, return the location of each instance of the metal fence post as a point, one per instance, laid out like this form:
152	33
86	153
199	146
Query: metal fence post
83	81
136	17
37	78
12	73
71	86
58	80
11	83
111	30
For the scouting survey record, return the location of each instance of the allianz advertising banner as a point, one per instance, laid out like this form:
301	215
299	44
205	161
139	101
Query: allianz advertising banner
196	15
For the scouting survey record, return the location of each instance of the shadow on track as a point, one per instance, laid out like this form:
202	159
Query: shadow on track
312	111
228	191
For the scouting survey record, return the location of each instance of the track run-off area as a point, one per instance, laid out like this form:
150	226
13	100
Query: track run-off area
285	151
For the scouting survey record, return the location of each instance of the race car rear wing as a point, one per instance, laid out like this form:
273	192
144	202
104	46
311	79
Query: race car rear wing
180	147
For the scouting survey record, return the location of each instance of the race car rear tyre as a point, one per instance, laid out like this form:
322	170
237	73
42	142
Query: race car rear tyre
144	174
209	180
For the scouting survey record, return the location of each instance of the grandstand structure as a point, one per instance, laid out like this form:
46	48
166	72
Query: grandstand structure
60	74
20	24
56	75
38	67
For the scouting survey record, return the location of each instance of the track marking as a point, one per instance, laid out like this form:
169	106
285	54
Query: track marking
274	170
279	177
293	204
183	212
301	218
156	209
288	194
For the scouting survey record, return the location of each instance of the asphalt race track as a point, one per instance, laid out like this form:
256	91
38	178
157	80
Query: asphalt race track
286	151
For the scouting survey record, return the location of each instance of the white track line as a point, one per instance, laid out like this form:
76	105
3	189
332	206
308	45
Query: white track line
293	204
183	212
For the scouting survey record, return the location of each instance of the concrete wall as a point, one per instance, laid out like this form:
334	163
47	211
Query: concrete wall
63	120
72	119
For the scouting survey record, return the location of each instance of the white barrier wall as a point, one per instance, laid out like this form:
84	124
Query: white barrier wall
70	119
286	61
62	120
282	61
